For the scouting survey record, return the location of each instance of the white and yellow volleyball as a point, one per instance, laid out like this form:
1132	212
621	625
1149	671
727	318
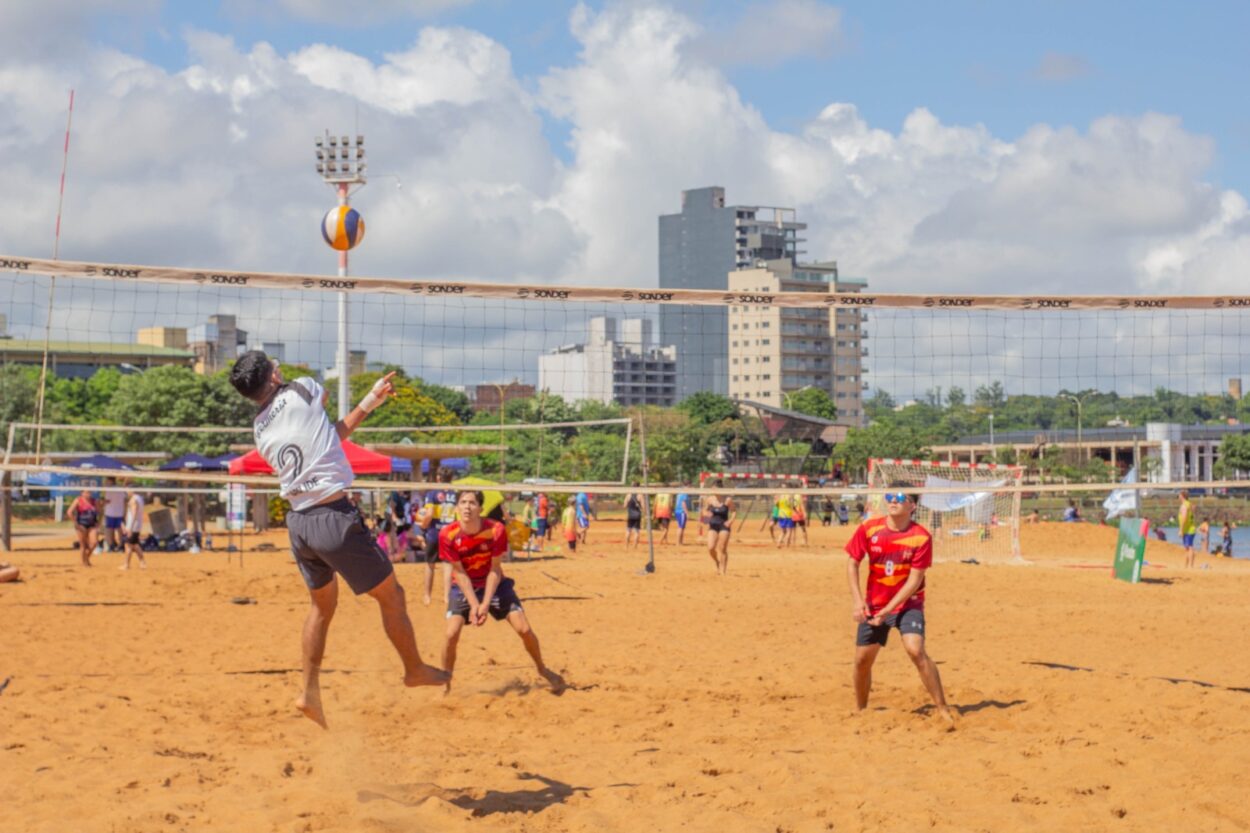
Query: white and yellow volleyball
343	228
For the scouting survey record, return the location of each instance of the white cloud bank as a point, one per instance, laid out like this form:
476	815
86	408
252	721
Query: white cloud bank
213	165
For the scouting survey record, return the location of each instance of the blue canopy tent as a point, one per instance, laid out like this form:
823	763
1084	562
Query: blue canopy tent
99	461
195	462
401	465
459	464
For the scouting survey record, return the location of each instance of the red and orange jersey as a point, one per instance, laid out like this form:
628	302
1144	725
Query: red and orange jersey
476	551
891	557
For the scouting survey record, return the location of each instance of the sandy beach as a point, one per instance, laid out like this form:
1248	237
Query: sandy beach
148	701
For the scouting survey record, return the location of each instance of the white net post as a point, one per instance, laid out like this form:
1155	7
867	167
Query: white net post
981	523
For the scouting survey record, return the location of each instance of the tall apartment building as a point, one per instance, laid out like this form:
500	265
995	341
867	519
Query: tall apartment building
616	364
775	351
216	343
699	248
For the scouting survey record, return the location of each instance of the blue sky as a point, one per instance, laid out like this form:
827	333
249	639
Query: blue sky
1005	65
975	147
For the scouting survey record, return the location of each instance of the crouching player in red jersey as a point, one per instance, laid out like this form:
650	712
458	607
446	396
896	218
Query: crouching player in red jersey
474	547
899	551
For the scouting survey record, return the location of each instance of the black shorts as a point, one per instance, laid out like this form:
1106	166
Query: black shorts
431	543
909	621
633	523
332	538
132	538
662	523
504	601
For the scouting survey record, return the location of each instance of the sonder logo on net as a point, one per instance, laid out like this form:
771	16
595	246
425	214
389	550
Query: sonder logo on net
856	300
231	280
748	299
15	265
1046	303
647	296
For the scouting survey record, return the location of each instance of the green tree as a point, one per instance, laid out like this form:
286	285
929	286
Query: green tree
814	402
880	440
706	408
1234	456
177	397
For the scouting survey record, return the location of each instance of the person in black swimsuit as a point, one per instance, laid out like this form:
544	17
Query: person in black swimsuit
86	518
720	516
633	519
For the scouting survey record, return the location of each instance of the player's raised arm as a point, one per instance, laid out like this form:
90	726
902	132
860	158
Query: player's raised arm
382	389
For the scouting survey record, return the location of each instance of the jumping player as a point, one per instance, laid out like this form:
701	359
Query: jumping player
474	546
328	535
899	551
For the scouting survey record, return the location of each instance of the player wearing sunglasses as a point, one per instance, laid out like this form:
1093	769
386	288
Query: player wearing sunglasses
899	552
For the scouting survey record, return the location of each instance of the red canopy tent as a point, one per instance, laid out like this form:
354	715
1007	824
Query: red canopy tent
362	460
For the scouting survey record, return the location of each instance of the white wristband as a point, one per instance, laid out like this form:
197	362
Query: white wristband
371	401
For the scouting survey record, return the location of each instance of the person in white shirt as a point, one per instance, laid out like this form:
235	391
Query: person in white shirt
132	527
114	515
328	535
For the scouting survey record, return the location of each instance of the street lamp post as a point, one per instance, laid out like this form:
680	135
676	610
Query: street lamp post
1080	447
341	163
499	388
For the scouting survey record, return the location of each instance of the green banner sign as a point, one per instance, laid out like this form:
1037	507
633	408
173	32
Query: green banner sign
1130	549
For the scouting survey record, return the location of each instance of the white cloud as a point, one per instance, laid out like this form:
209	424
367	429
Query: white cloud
1061	67
771	33
213	165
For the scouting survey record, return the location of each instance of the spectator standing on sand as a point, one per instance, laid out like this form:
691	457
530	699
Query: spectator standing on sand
86	518
1226	539
114	515
132	528
1188	526
1204	536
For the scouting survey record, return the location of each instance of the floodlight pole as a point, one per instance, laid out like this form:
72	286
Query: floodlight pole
342	165
344	382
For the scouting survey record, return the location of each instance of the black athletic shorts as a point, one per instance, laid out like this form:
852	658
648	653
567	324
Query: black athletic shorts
431	543
132	538
331	538
633	523
909	621
662	523
501	604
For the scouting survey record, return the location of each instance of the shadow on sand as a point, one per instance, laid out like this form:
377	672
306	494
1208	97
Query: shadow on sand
491	802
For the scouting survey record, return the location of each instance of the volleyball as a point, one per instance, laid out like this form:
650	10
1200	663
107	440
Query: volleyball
343	228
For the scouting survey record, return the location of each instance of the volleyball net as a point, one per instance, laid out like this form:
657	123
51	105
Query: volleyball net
577	385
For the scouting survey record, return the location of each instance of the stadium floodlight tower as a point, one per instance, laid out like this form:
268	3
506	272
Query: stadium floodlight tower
341	163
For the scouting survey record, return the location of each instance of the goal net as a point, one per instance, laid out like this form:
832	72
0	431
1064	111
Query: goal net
972	510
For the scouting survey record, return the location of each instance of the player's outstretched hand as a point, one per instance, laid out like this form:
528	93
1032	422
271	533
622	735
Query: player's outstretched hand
381	390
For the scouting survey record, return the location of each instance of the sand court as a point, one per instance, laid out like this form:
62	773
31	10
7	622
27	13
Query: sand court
151	701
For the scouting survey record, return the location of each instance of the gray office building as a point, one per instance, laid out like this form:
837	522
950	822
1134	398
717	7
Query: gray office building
698	249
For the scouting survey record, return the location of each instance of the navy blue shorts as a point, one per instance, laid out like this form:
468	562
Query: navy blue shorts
681	520
540	527
1188	540
504	601
431	543
909	621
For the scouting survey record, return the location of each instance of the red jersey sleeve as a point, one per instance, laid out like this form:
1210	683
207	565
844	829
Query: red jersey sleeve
857	547
446	552
923	559
498	540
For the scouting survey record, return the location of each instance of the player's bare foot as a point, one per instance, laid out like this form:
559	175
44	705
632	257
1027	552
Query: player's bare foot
427	675
310	706
124	567
557	683
946	719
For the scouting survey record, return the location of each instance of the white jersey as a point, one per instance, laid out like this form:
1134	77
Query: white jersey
134	514
114	503
299	442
